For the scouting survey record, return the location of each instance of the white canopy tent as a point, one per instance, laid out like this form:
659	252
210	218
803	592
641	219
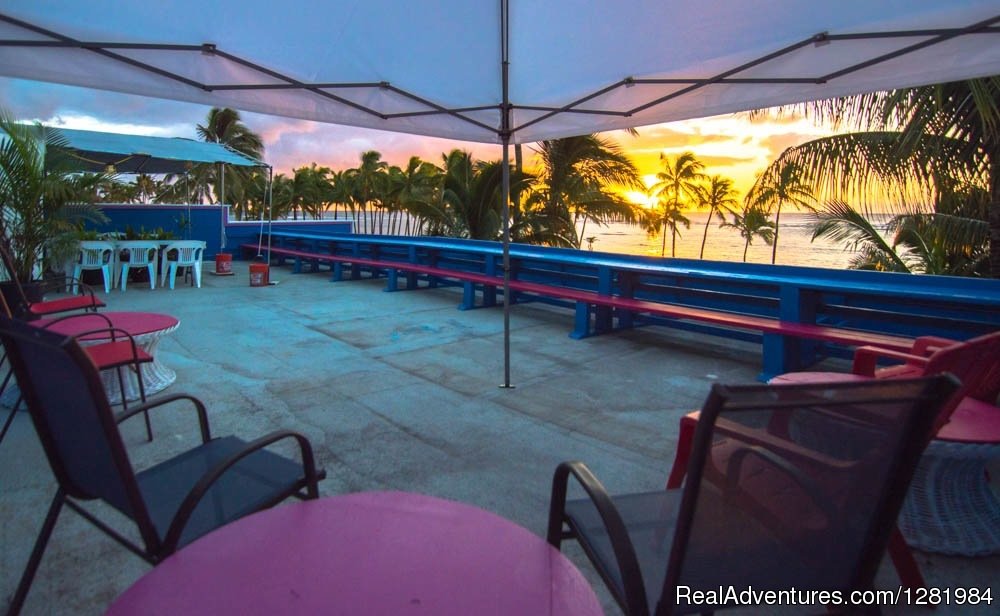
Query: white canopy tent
499	71
434	68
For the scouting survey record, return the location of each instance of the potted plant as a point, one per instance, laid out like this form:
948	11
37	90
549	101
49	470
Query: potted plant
158	234
42	202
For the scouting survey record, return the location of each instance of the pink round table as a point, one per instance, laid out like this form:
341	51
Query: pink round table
146	327
366	553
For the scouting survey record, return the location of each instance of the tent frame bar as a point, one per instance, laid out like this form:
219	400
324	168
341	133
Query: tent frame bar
66	41
934	36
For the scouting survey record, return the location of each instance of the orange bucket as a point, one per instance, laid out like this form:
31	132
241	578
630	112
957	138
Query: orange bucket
258	274
224	263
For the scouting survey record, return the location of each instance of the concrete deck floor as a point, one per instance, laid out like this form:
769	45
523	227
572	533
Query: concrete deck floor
396	391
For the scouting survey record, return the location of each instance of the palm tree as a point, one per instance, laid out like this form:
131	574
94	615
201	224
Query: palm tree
113	190
367	182
342	191
416	193
282	196
720	197
943	244
472	195
147	188
225	126
777	186
676	184
752	222
668	215
928	243
311	190
576	184
916	147
840	222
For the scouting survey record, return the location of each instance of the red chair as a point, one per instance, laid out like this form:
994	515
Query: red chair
25	308
975	362
117	351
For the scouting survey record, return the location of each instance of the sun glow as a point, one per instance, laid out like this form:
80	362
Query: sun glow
733	146
640	198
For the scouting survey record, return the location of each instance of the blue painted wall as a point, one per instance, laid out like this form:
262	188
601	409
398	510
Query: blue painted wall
248	232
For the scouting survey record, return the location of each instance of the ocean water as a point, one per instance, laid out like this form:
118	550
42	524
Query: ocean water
795	244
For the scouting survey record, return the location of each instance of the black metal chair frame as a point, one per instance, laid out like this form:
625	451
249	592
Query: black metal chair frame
154	548
632	598
22	310
132	361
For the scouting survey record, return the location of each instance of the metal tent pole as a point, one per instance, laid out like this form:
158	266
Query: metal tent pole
505	133
222	204
270	198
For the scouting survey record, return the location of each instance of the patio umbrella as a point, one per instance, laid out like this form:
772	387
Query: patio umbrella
503	71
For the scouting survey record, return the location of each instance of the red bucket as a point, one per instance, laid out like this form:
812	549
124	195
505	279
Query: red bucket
223	263
258	275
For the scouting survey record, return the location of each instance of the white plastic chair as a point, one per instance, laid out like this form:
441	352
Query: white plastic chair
141	253
189	254
95	255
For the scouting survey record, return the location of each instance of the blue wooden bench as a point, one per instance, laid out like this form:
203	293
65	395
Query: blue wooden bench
587	304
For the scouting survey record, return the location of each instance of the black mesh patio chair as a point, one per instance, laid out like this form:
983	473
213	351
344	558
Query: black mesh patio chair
117	351
171	503
759	511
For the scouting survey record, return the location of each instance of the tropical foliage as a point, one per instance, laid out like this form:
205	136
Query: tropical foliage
668	214
225	126
581	180
922	243
677	187
780	185
42	203
719	196
927	157
752	223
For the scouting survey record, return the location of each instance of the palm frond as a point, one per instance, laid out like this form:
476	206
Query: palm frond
839	222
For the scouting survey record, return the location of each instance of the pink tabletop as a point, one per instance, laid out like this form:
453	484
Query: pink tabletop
803	378
135	323
367	553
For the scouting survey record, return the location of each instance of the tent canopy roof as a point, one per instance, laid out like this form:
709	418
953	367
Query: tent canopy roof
94	151
435	68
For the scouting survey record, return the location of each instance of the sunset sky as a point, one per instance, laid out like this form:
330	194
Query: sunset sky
732	146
